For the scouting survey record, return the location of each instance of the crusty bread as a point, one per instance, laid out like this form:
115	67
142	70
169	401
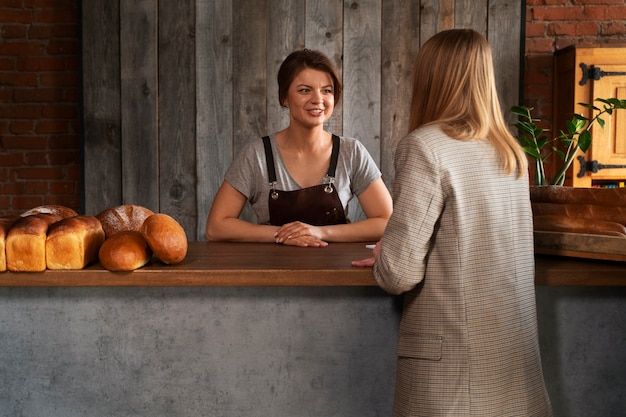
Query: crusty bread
73	242
26	243
122	218
124	251
568	224
51	209
5	225
166	237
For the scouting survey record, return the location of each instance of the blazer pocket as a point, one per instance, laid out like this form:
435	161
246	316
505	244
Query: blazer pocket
420	346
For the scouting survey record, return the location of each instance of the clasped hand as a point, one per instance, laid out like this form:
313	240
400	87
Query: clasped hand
300	234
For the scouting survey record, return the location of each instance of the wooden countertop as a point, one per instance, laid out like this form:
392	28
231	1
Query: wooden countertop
265	264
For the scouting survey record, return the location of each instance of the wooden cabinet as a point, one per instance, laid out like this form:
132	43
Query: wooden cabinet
582	75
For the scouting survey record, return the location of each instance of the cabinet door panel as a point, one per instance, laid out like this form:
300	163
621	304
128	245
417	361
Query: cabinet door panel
609	144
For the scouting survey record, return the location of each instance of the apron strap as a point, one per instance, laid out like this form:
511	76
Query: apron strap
269	159
334	157
271	169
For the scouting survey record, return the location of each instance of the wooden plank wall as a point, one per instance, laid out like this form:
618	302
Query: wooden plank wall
172	90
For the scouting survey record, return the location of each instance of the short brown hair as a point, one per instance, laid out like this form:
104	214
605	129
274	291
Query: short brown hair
299	60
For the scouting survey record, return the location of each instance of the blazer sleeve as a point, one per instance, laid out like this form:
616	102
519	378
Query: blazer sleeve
418	202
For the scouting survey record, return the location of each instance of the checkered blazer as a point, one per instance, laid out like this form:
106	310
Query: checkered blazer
460	246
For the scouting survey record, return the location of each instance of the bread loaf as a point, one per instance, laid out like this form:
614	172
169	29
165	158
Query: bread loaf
26	243
51	209
5	225
568	224
122	218
73	242
124	251
166	237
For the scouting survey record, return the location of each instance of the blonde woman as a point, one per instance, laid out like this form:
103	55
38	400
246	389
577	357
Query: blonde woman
459	245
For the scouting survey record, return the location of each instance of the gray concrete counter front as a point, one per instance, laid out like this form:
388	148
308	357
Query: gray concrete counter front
262	330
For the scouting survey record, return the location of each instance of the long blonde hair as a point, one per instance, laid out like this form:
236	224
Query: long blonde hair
454	86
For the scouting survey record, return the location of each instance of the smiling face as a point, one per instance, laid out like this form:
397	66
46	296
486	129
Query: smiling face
310	98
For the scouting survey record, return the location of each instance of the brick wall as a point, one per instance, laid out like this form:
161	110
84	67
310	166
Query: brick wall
39	86
555	24
39	104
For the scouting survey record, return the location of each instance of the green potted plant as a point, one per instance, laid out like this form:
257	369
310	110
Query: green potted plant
576	137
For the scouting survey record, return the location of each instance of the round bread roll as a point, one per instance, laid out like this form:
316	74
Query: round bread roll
166	237
124	251
122	218
61	211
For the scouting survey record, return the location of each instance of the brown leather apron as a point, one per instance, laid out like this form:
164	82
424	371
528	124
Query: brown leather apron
319	205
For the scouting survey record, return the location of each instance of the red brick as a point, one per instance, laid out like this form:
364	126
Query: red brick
14	4
21	48
63	187
18	79
613	28
38	95
59	79
74	172
605	13
598	2
557	13
72	95
37	158
16	16
537	45
61	111
37	187
52	126
13	31
12	159
41	63
7	63
57	15
63	158
21	126
535	30
39	173
573	28
23	203
63	47
64	142
24	142
20	111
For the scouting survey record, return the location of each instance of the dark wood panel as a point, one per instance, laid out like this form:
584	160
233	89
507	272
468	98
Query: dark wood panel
139	101
177	107
214	102
102	160
324	32
505	19
400	34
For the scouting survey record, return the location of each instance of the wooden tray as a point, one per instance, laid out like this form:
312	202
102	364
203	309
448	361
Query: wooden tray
580	245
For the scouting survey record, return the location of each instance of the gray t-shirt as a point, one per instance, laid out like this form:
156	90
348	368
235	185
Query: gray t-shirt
356	170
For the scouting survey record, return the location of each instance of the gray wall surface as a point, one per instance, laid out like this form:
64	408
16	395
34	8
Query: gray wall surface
582	332
264	352
176	352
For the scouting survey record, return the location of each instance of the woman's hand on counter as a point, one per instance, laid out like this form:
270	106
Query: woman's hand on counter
300	234
368	261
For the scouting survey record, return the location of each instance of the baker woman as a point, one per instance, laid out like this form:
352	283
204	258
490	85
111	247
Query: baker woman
300	180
